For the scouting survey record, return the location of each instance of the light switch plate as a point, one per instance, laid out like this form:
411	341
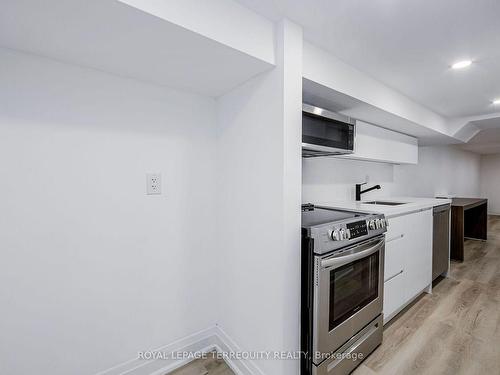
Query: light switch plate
153	183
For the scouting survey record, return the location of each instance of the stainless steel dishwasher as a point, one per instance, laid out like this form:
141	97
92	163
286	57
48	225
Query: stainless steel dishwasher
441	241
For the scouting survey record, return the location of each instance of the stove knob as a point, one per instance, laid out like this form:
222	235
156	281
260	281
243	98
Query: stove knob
347	234
378	223
372	225
342	234
335	235
383	223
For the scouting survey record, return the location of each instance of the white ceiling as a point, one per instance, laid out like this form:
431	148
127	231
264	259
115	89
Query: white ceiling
409	45
487	141
325	97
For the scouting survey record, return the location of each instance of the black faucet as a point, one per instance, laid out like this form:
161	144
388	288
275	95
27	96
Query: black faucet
359	191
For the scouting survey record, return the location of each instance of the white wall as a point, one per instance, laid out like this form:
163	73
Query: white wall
259	155
445	170
92	269
490	182
440	170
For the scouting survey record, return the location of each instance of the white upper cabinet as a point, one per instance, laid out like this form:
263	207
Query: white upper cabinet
378	144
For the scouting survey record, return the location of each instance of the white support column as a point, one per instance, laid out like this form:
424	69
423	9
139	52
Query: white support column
290	40
259	163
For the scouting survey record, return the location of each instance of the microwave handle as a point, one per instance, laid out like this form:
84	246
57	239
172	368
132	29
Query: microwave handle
360	253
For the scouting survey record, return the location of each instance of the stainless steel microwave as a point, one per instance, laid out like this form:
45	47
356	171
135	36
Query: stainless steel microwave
326	133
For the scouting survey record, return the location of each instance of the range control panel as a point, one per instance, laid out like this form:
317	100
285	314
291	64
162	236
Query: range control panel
331	229
357	229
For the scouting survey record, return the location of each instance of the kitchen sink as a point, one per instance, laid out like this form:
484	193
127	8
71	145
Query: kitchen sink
385	203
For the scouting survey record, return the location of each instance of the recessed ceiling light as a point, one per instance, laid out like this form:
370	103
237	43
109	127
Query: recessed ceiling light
496	101
462	64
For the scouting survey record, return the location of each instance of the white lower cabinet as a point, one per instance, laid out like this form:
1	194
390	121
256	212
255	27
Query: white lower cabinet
408	260
418	253
394	296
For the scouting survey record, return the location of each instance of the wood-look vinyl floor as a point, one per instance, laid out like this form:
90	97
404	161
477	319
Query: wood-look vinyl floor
207	366
456	330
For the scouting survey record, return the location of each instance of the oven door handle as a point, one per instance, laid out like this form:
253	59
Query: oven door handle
360	253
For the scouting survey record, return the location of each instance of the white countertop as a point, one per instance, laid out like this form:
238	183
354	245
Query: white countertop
411	204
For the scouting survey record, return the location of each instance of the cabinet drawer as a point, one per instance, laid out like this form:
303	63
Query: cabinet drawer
394	295
396	228
394	260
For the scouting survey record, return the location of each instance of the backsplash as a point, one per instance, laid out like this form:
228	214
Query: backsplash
333	179
441	170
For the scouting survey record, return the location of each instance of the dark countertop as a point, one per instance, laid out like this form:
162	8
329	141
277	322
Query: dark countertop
468	202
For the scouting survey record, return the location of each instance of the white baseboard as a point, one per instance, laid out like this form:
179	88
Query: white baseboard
226	344
213	338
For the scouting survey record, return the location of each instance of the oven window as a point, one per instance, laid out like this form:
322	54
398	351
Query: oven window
352	287
326	132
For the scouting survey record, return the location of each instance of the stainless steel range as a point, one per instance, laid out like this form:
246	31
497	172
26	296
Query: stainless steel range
342	288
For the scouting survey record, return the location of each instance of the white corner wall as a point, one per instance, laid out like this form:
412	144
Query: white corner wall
490	182
92	269
259	151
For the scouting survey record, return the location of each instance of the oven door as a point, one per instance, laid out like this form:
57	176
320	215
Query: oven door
348	294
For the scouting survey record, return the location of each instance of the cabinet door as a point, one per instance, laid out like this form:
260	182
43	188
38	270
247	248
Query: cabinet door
418	251
379	144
